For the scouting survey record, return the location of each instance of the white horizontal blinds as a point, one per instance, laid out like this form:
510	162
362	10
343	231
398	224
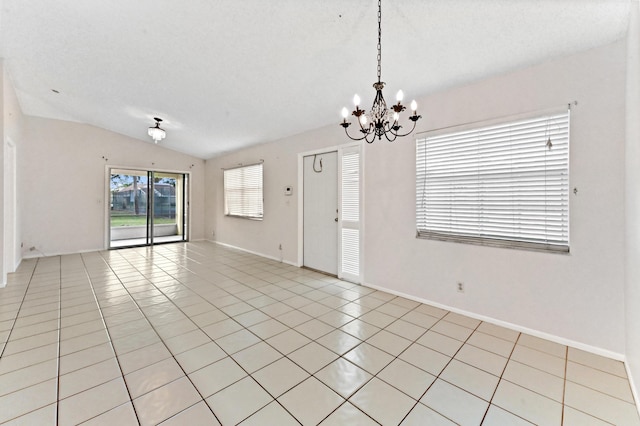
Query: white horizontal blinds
243	191
350	214
506	184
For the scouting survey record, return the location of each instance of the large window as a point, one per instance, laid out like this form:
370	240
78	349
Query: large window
505	185
243	192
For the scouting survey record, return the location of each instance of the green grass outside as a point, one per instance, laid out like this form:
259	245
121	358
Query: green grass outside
133	220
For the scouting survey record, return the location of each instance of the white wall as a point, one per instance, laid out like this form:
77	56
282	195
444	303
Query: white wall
577	297
632	168
280	212
62	183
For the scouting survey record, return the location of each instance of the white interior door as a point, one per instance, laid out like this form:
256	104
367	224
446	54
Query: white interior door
320	206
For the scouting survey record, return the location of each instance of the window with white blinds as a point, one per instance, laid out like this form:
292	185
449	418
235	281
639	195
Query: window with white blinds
243	192
504	185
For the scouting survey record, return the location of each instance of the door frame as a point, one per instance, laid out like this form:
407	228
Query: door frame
11	248
107	198
300	193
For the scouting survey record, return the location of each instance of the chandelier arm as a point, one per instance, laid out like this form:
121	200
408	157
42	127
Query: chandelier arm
404	134
388	130
386	135
373	138
352	138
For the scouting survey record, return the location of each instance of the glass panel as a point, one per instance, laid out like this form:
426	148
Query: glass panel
168	207
128	210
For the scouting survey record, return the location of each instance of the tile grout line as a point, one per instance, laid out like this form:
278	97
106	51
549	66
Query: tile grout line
495	390
395	357
15	318
443	368
59	343
564	383
106	328
262	340
161	340
363	341
275	399
248	374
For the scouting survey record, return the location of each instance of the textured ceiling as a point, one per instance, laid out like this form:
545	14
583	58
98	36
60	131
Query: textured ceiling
227	74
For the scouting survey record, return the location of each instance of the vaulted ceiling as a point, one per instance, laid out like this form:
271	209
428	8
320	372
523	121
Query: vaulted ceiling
227	74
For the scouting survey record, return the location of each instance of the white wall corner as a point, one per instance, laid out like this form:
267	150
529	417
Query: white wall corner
632	203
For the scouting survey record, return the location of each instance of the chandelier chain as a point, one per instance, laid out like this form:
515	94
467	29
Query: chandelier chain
379	39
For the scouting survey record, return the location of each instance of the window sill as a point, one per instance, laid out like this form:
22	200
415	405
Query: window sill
494	242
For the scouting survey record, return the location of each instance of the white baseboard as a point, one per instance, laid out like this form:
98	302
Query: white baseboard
256	253
41	254
551	337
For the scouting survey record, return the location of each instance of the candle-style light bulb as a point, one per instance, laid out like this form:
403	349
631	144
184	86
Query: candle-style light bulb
356	100
399	96
345	113
414	106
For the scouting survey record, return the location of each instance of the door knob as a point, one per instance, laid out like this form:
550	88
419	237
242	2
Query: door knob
336	219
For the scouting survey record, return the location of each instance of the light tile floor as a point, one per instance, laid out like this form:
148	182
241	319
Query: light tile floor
196	333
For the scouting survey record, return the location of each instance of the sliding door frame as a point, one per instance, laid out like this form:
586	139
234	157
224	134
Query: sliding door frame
186	215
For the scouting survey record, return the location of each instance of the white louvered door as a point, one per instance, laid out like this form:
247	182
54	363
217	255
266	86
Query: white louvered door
350	233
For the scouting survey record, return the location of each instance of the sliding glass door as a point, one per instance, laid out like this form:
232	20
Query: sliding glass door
147	207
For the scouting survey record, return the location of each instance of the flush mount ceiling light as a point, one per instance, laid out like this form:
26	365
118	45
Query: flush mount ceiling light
380	121
157	133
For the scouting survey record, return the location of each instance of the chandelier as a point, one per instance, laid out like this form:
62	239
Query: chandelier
156	132
380	121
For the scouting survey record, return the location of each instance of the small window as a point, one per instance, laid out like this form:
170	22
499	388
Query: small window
243	192
504	185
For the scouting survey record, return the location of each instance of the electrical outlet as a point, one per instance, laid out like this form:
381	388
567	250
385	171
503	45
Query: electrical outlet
460	287
280	247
